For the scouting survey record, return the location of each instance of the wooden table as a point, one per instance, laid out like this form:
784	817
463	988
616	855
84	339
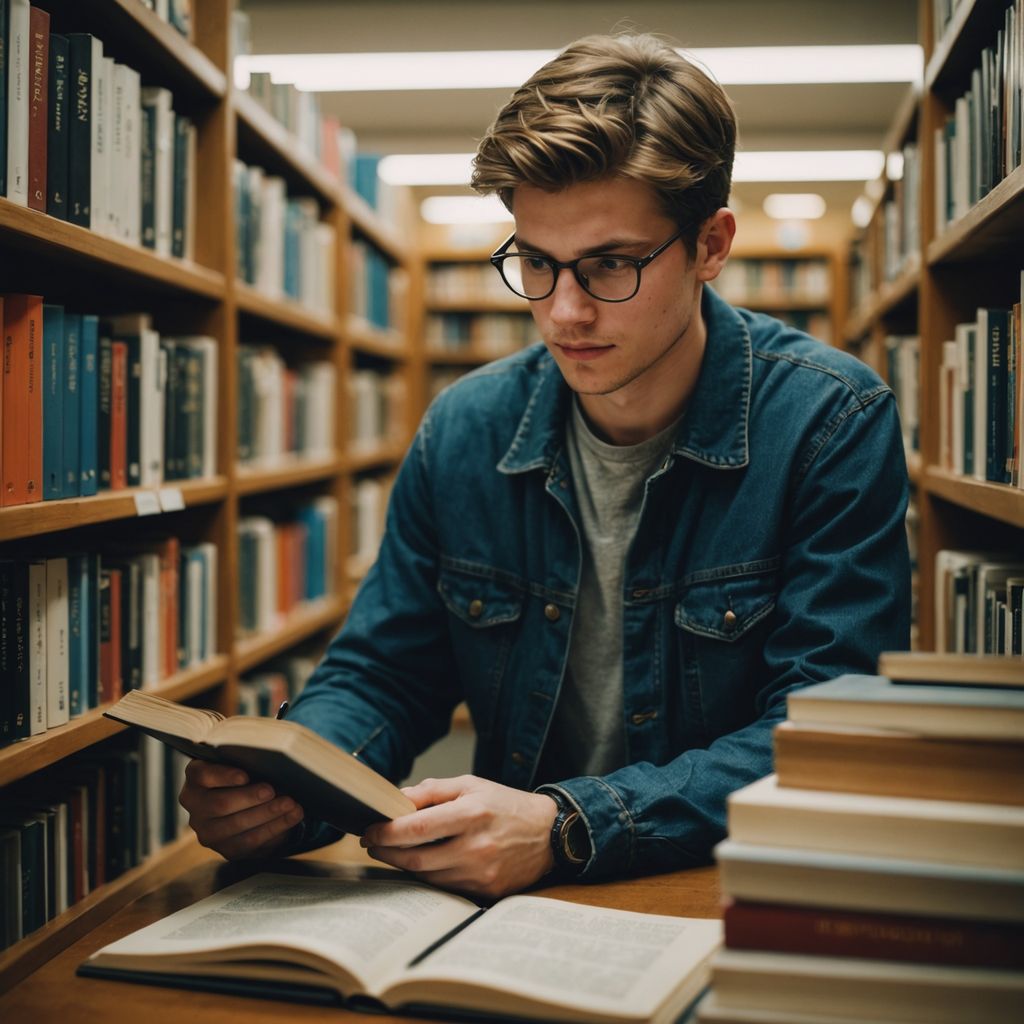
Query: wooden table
55	993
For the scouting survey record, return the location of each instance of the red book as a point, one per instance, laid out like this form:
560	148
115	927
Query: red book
110	635
76	827
823	931
39	77
23	399
119	416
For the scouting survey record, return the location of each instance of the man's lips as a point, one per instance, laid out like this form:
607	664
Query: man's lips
585	352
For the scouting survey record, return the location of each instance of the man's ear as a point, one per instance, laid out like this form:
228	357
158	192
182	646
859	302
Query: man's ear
715	243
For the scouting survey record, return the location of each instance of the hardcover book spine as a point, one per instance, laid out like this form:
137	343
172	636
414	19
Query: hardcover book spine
15	401
119	417
38	120
104	410
102	115
178	204
33	423
8	671
18	638
53	401
998	330
18	83
4	64
169	349
72	405
80	129
37	646
88	409
78	635
57	662
147	172
92	628
58	129
133	411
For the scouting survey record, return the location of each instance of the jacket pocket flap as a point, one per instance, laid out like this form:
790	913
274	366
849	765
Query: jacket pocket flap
726	609
479	601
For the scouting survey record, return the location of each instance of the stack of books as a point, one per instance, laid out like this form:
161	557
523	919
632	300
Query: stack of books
879	875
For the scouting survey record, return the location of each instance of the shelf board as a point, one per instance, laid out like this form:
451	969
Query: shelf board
386	453
134	35
469	356
972	27
303	622
41	517
362	336
41	946
369	223
990	230
278	147
49	238
291	473
477	304
997	501
284	313
30	755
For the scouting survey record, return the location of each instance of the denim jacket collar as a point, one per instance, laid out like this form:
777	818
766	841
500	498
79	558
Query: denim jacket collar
714	429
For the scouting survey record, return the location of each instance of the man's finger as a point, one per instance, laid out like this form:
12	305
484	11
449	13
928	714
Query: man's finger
214	776
262	839
433	823
225	801
438	791
219	830
419	859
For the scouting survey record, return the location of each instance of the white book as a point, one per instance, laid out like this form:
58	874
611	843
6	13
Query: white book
38	704
151	617
163	161
369	504
57	667
18	80
270	194
102	119
117	210
193	584
131	221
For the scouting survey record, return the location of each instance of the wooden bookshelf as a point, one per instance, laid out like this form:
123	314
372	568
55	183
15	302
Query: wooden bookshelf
475	304
90	272
359	459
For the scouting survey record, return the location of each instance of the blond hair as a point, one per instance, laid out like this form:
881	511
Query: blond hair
616	106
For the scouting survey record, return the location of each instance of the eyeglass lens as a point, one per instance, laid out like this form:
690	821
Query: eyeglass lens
605	277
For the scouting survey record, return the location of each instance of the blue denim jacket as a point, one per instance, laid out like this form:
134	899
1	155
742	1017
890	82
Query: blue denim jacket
770	553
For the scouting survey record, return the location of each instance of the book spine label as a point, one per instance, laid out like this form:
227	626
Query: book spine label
38	127
53	401
72	406
58	128
88	410
80	129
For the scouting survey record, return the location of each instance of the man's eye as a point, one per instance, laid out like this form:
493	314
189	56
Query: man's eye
535	263
611	264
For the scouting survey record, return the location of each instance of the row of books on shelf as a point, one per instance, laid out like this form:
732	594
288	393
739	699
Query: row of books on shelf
80	826
177	13
471	283
980	142
378	291
86	143
490	333
378	403
978	599
282	565
89	404
744	280
78	630
901	237
981	408
282	247
369	508
878	875
903	372
261	693
283	411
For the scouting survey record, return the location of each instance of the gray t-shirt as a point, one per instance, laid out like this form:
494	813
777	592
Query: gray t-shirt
587	734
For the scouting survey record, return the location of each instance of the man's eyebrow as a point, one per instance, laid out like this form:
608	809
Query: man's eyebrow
609	245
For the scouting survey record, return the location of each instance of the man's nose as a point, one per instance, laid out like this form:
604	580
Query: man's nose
570	302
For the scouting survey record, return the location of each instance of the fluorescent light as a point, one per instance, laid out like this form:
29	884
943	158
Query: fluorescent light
798	165
808	165
506	69
464	210
794	206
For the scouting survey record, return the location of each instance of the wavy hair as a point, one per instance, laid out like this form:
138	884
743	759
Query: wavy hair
616	106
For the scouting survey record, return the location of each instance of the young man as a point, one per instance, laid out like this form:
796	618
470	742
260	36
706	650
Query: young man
623	547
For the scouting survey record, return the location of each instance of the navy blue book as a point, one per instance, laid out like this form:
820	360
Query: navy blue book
8	678
33	867
91	626
54	365
88	390
78	669
80	129
179	190
148	174
995	347
4	28
57	130
72	405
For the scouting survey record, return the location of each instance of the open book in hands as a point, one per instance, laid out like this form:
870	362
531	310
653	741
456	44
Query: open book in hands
402	945
327	783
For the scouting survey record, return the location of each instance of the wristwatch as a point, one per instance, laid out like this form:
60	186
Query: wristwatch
570	840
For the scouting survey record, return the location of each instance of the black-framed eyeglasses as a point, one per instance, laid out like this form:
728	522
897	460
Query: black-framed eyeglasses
607	276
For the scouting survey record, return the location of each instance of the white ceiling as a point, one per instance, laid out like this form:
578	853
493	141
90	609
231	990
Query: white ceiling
770	117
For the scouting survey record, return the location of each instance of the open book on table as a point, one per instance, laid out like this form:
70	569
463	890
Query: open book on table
328	783
402	945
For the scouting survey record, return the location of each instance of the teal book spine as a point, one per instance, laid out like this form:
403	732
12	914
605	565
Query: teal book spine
71	479
53	401
88	388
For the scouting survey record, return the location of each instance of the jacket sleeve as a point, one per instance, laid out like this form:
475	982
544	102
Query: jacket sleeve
386	686
844	596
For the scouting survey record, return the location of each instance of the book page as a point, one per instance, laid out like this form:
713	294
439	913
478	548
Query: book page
566	954
368	926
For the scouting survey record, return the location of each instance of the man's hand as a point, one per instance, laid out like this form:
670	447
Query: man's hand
233	816
469	834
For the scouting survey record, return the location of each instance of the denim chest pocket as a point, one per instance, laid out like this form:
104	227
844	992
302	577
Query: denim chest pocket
483	623
722	623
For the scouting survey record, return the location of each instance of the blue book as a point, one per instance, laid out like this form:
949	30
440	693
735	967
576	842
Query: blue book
78	666
53	401
88	404
292	270
366	177
72	339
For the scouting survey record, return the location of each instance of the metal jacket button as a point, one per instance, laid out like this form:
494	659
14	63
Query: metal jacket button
729	621
551	612
476	608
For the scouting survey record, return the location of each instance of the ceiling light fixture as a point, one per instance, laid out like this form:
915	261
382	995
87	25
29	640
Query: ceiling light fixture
794	206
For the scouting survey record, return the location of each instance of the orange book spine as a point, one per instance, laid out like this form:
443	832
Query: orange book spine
281	537
119	416
35	398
